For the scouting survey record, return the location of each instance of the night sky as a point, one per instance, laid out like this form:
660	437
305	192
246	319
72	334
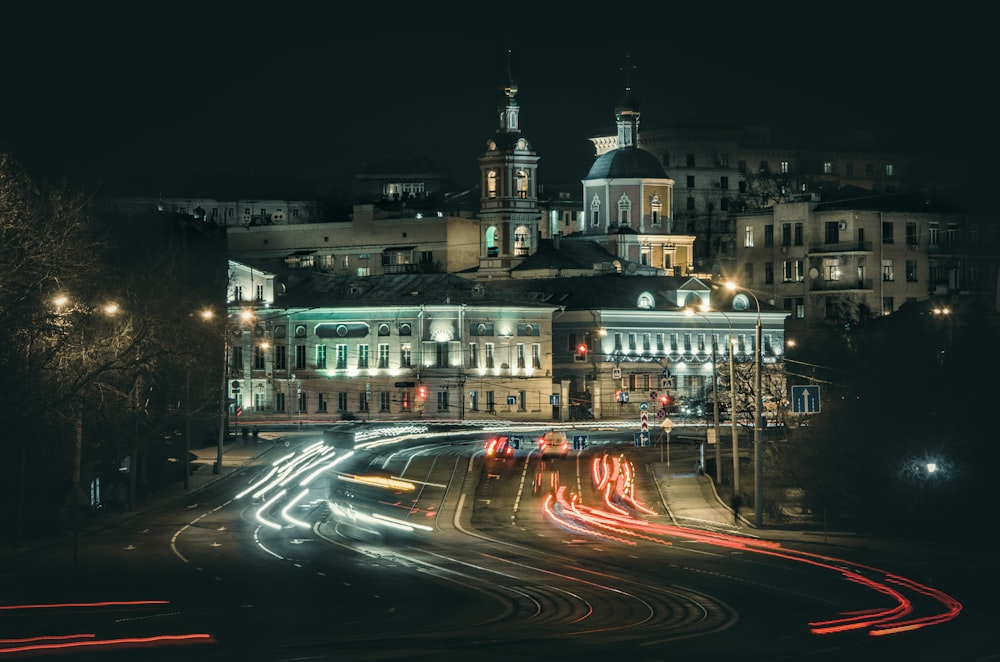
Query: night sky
178	99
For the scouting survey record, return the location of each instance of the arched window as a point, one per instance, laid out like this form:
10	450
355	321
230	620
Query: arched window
657	207
692	300
624	210
521	237
521	182
491	184
492	242
595	212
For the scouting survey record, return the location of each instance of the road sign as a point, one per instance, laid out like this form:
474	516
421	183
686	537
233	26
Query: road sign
667	424
643	406
805	399
667	382
579	442
622	396
641	439
512	399
405	384
616	373
515	440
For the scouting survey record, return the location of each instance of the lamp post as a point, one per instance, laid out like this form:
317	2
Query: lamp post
758	453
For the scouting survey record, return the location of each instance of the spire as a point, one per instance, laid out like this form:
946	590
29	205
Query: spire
508	113
627	112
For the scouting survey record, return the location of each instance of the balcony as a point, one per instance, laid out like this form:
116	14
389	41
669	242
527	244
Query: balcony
840	285
399	268
841	247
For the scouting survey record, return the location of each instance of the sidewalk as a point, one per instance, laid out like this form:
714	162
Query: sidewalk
692	501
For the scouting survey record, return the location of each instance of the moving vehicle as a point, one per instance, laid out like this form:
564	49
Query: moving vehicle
553	443
500	448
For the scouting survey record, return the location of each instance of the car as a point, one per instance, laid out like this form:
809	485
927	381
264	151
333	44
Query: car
500	448
553	443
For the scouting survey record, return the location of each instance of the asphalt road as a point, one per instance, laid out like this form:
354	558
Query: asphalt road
453	556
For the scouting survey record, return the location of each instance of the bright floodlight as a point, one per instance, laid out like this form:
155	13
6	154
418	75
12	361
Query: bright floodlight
931	467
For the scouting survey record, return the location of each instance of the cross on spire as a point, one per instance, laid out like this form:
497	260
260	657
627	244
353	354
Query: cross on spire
628	68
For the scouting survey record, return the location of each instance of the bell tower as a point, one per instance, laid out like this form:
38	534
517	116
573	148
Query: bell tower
508	205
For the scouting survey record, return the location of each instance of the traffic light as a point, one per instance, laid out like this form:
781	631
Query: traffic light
665	400
422	392
581	352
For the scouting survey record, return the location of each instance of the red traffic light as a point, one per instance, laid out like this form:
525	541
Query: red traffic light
421	391
581	349
664	400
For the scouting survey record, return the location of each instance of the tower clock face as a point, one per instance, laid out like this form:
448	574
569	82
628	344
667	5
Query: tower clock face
522	144
492	145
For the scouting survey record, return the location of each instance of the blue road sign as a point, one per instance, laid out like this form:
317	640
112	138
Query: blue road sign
638	439
579	442
644	436
512	399
805	399
643	406
623	396
515	440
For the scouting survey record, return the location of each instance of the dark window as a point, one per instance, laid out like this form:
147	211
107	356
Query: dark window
832	232
887	232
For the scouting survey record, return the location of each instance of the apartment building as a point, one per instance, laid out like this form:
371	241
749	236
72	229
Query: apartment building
837	262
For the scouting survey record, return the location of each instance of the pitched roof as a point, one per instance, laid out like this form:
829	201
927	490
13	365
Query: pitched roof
571	254
613	291
314	289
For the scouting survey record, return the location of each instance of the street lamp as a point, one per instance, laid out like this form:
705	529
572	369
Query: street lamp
758	453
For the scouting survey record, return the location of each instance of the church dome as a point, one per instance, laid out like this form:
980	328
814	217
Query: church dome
626	163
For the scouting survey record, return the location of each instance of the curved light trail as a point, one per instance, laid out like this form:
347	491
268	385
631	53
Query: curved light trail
620	521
